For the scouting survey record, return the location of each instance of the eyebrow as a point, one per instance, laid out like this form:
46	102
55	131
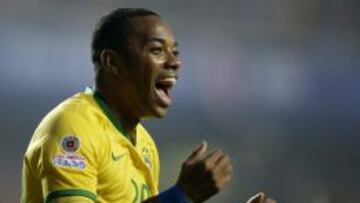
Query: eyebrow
161	40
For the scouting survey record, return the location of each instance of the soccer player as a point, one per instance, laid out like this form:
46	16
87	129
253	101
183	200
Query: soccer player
93	148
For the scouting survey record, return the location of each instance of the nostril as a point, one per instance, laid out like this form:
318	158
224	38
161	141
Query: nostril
174	64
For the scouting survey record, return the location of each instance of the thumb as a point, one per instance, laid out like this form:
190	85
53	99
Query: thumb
269	200
258	198
198	152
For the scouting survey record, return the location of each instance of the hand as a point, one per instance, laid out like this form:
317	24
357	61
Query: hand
260	198
203	176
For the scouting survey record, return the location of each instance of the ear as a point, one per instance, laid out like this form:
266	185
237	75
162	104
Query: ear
111	61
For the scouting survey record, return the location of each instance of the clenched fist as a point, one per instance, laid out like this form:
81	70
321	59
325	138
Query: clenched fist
203	175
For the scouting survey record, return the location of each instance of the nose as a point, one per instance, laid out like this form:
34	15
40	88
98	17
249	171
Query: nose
173	61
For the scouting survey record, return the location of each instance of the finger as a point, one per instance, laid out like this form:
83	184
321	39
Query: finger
223	181
198	152
258	198
213	157
225	170
223	165
270	200
223	160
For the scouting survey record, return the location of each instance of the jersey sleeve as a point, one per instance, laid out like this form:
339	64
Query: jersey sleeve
67	159
76	199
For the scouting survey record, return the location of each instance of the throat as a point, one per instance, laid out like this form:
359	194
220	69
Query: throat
129	127
118	112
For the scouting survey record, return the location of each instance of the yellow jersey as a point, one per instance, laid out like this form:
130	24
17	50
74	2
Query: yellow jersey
80	149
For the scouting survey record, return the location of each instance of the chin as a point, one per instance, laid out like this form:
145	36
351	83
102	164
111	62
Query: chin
161	113
158	112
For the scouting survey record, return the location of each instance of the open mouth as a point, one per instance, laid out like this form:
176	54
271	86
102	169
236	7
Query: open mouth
163	88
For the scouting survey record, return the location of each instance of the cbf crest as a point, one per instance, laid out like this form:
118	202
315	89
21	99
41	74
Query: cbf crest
146	155
70	144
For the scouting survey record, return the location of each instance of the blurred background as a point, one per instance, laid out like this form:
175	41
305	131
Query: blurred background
274	83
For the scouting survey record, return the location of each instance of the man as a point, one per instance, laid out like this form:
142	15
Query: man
92	147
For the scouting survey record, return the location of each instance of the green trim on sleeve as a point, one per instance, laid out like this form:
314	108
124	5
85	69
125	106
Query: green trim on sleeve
100	100
70	192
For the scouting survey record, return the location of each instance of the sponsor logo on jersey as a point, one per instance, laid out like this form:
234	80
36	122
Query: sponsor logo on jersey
69	161
118	157
70	143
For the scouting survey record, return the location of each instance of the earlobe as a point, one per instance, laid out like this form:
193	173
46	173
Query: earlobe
110	61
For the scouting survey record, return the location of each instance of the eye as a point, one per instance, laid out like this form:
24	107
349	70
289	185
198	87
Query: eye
156	50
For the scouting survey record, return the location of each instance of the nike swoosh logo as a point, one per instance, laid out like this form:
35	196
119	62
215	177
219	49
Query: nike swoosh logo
117	158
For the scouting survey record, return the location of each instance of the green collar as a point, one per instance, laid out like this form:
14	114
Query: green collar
100	100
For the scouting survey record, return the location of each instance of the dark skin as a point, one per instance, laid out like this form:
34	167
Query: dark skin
260	198
130	85
128	81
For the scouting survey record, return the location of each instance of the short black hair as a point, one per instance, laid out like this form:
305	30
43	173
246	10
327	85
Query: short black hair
113	30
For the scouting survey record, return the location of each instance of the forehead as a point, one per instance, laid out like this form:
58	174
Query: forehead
149	27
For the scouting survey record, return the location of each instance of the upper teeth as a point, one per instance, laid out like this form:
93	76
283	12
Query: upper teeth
168	80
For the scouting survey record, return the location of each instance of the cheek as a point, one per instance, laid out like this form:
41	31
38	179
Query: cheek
145	80
148	68
151	69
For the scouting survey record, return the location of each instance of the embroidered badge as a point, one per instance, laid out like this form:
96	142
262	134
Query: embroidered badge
69	161
70	143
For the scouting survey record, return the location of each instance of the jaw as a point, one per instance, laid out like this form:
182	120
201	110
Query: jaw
160	112
155	111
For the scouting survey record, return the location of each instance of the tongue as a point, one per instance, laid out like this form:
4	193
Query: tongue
163	96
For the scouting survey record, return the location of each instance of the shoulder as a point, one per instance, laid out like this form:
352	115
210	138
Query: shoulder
77	113
75	120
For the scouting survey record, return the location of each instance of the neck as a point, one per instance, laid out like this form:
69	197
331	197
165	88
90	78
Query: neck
121	112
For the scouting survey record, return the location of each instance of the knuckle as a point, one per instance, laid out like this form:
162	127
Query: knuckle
223	181
226	158
208	166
